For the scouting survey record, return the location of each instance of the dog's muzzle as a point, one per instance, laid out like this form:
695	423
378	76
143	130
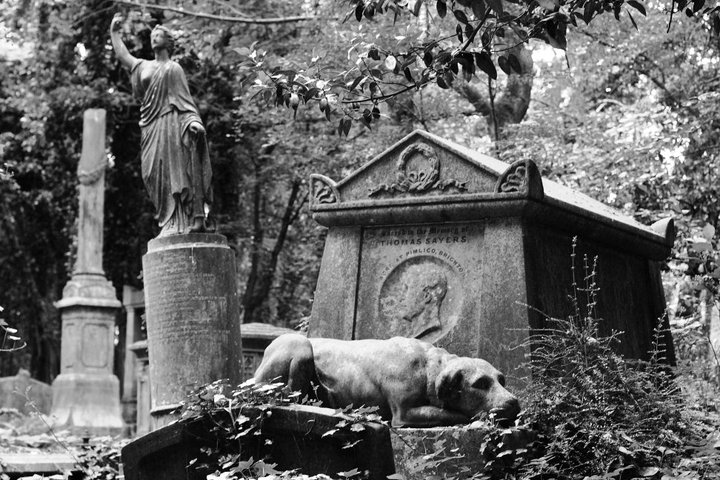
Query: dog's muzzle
505	416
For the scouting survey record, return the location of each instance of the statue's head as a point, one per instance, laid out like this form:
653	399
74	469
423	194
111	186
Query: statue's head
425	288
161	37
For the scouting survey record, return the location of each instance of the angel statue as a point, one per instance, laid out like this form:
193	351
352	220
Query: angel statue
174	152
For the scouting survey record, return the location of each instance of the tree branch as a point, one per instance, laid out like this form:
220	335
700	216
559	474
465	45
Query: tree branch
222	18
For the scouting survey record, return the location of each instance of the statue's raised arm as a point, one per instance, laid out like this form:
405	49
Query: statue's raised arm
121	51
174	152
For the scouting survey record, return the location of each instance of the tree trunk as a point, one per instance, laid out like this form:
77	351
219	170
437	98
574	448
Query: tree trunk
261	277
511	105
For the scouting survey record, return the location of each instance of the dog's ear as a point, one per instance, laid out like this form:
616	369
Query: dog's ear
448	385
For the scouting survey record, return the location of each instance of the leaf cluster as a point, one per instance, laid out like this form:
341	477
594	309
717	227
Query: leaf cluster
484	33
100	461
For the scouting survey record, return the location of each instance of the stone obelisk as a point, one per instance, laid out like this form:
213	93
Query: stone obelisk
86	394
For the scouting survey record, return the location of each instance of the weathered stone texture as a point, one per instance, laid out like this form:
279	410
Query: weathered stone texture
192	315
434	241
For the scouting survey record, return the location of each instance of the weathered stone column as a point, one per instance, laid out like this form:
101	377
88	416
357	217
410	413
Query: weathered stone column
191	310
86	394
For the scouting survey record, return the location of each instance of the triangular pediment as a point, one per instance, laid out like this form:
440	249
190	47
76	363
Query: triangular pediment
419	166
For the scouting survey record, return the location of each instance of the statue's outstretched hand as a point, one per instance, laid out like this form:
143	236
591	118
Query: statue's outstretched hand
116	23
196	129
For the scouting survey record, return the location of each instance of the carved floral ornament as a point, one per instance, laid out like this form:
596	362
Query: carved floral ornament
420	180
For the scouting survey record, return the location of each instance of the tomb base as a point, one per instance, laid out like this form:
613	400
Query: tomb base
291	437
192	316
447	452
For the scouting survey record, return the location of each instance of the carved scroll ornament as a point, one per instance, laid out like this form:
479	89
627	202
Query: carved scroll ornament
323	190
522	176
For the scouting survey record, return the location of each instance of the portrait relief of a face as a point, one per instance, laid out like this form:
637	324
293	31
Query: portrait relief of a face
414	299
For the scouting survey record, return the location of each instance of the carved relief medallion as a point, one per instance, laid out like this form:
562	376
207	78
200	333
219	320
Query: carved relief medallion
418	171
420	298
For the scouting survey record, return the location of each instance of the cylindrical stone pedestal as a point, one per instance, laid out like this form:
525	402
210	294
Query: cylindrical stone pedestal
192	316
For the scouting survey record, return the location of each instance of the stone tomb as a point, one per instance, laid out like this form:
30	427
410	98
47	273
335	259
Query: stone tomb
435	241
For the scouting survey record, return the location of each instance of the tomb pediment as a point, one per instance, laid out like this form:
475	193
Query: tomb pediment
423	168
424	179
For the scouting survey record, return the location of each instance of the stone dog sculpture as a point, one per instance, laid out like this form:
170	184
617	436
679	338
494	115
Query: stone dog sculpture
412	382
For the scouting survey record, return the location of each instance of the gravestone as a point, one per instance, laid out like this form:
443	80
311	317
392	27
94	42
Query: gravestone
133	302
17	391
86	394
435	241
256	337
294	437
143	404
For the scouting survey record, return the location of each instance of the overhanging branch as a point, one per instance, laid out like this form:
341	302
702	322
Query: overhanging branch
221	18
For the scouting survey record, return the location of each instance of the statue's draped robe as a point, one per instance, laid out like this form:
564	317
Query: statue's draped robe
175	166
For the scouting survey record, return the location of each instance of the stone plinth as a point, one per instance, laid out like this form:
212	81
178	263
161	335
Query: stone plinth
447	452
435	241
86	394
292	436
191	308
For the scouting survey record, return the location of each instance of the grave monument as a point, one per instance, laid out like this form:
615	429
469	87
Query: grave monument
191	302
86	394
15	392
435	241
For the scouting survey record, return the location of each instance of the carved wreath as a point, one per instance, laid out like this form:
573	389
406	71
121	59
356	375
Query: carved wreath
418	181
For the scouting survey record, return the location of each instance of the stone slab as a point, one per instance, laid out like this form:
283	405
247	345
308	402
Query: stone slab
41	463
296	434
420	281
334	314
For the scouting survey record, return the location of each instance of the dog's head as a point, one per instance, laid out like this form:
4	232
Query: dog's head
472	385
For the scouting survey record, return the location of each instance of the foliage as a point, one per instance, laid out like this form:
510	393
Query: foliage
413	60
599	413
225	408
100	461
11	341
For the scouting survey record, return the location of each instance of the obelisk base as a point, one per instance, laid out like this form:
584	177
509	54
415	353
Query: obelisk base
192	316
86	394
87	404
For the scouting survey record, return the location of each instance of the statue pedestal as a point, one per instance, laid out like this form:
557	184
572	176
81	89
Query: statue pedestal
192	316
86	394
